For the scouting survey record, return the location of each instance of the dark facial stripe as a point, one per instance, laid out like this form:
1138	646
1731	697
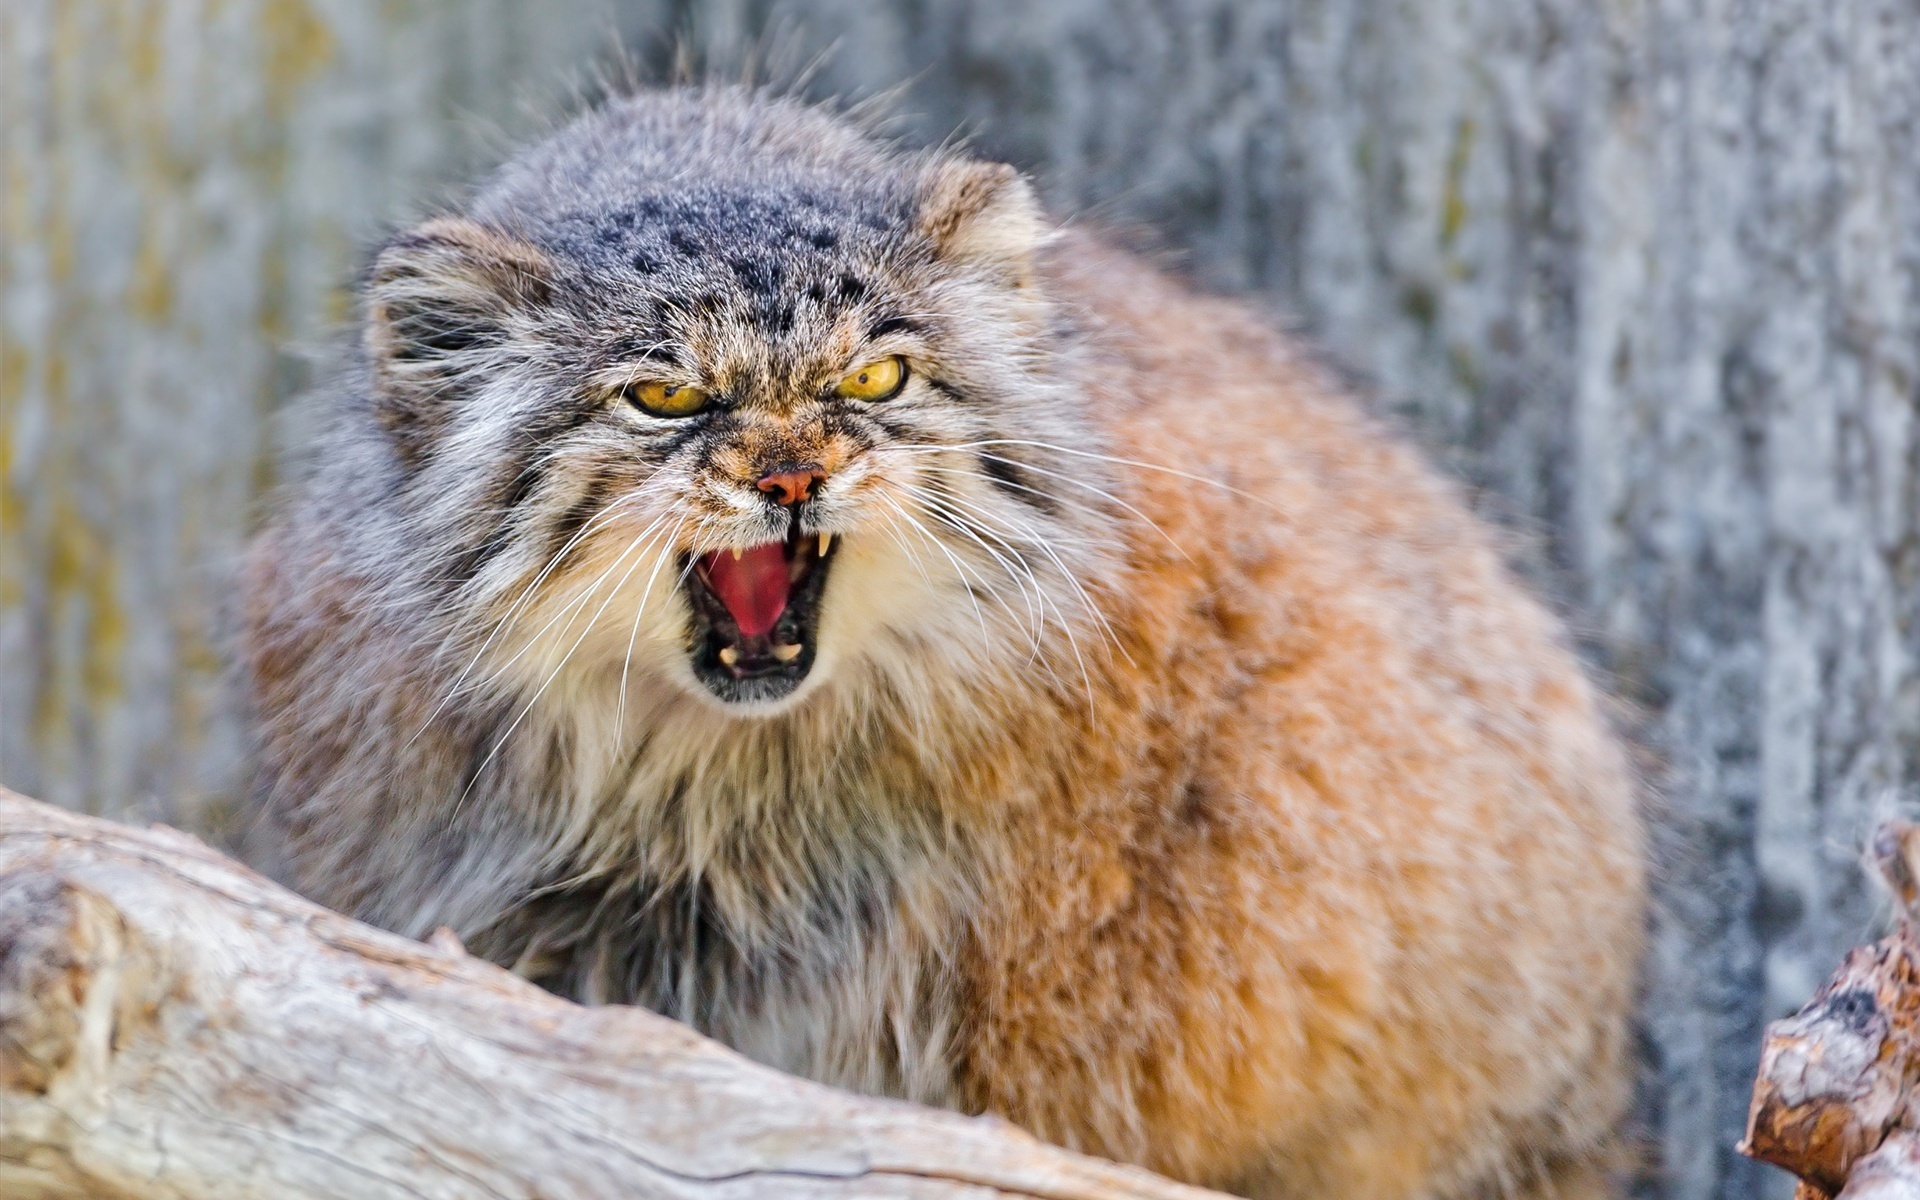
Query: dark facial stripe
947	390
710	430
523	484
592	499
839	422
895	428
529	473
501	536
1017	483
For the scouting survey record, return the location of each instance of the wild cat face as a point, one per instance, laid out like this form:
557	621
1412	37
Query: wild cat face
801	419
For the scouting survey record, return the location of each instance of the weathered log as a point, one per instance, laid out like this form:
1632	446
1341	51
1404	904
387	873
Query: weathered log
1890	1173
172	1024
1834	1101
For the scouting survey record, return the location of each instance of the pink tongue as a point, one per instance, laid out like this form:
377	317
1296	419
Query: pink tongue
753	586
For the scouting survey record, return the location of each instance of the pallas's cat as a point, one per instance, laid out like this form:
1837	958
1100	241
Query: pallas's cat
784	580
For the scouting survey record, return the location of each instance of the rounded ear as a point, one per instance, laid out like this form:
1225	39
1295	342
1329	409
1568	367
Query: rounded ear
983	215
441	305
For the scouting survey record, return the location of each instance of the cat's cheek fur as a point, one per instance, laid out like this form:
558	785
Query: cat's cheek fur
883	615
606	611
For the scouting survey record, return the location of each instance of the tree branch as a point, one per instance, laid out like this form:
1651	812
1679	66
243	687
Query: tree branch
173	1025
1835	1099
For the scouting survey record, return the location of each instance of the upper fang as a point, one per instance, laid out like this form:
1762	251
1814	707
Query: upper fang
826	540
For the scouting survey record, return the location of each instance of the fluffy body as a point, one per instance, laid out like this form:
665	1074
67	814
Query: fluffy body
1179	773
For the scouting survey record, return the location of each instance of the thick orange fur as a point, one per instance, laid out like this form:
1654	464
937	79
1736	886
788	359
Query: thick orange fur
1345	880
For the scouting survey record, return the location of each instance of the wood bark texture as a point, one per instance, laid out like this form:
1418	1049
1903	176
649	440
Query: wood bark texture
1837	1098
173	1025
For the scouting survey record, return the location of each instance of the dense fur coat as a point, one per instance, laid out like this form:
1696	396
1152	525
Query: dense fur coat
1153	752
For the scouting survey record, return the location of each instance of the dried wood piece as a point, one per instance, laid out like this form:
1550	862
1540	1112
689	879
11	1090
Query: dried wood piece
1834	1077
1837	1078
173	1025
1890	1173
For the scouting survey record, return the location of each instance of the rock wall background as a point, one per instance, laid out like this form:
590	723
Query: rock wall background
1643	270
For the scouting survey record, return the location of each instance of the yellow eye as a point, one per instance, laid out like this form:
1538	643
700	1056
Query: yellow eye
667	399
880	379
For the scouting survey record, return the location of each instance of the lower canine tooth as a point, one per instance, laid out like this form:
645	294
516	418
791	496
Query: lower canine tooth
730	656
826	539
787	651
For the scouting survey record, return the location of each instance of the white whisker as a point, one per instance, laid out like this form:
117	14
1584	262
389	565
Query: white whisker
1017	568
639	543
1128	462
526	595
938	545
1066	627
626	664
1064	478
1039	542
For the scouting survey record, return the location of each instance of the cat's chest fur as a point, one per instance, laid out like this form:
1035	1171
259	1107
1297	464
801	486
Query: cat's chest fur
809	921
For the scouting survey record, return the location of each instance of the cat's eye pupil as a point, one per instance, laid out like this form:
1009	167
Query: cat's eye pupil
667	399
879	380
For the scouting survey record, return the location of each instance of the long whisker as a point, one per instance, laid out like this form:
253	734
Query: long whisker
965	577
1079	590
571	609
1126	462
638	543
1067	501
1018	573
1032	536
526	595
626	664
891	529
1069	479
1086	601
607	513
1035	616
987	519
1103	494
1017	568
1066	627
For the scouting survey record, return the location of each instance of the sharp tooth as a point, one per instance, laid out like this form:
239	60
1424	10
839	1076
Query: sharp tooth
736	554
787	651
826	540
730	656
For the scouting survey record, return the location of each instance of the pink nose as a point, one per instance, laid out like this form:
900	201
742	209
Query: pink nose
792	485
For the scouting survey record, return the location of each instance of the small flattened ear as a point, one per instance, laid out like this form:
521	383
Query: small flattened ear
440	303
983	215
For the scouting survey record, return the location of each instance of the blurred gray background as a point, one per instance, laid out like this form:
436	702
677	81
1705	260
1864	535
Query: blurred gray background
1642	271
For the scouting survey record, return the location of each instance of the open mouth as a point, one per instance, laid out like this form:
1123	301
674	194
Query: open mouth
756	615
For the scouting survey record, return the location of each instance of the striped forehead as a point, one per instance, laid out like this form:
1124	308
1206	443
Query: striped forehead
769	288
759	235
